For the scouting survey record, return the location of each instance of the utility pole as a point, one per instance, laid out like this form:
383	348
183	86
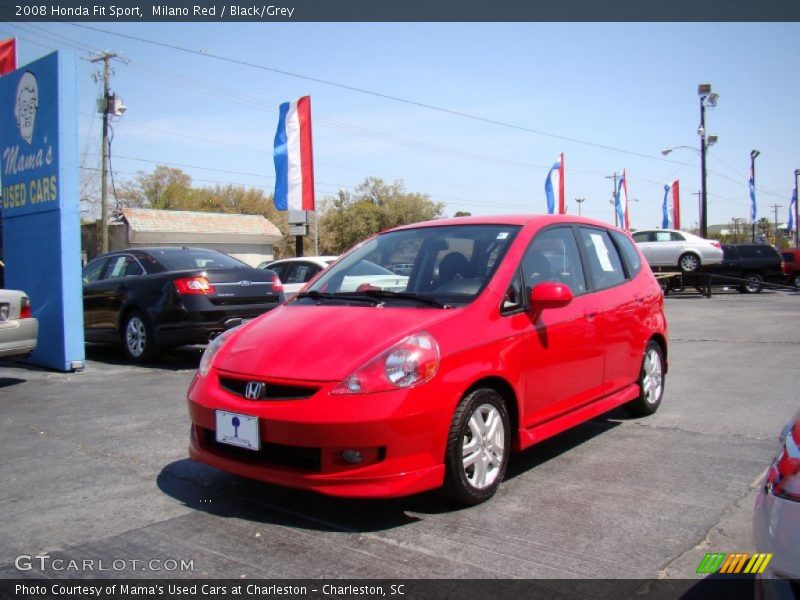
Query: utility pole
107	111
580	201
775	208
615	177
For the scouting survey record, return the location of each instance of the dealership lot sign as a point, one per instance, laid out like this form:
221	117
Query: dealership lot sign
41	218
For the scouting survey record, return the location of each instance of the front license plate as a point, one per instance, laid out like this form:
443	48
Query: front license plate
238	430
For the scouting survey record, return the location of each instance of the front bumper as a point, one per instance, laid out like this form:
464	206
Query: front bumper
401	436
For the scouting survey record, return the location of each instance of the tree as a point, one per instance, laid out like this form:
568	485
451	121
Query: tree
166	188
373	206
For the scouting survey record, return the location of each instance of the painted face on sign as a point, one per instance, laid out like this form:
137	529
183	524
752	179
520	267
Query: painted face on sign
26	106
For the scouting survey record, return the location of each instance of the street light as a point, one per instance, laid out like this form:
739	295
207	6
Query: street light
580	201
753	211
707	98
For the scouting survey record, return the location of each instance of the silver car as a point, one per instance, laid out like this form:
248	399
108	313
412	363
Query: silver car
679	249
296	272
776	519
18	329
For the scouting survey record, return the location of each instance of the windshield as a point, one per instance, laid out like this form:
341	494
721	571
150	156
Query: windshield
449	265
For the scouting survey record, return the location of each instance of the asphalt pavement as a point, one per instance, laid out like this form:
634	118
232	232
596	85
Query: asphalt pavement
95	468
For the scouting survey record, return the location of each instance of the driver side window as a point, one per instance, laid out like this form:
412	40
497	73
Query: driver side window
553	256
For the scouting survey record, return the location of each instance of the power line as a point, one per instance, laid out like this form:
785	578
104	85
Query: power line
369	92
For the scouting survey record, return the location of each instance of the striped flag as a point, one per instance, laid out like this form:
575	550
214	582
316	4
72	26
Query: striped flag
294	164
666	222
792	209
621	202
671	208
555	184
8	56
753	209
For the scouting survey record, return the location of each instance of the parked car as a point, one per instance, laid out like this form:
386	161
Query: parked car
776	518
791	266
149	299
294	273
670	248
18	329
509	331
748	266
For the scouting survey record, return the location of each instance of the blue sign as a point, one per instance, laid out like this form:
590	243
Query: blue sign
41	215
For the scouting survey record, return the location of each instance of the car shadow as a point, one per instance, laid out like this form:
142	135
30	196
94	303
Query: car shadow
207	489
174	359
9	381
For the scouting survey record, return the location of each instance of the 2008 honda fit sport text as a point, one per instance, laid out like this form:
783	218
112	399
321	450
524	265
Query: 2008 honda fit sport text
507	330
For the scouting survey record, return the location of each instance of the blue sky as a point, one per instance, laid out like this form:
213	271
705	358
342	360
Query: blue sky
630	86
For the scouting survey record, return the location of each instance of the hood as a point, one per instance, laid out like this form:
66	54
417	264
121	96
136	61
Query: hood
321	343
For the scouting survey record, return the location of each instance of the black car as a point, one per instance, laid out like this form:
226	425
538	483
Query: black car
747	266
148	299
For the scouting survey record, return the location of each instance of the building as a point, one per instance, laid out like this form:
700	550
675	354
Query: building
250	238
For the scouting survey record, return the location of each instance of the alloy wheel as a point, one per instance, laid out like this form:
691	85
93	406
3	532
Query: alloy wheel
135	336
483	448
652	377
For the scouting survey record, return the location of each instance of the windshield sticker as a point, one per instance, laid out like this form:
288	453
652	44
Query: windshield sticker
503	235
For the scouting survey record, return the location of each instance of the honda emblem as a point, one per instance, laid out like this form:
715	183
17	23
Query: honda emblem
254	390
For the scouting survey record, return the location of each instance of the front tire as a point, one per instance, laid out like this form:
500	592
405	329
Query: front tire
651	382
753	284
796	280
689	263
137	338
478	446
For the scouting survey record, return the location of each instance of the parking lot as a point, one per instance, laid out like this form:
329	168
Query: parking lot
95	467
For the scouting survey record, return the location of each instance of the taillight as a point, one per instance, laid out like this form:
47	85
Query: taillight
25	308
783	478
187	286
277	285
716	245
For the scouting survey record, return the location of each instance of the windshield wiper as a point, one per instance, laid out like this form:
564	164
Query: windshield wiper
315	295
404	296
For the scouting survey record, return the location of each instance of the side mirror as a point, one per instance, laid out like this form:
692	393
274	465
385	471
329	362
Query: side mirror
549	294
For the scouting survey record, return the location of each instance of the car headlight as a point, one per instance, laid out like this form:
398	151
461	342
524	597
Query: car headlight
211	350
412	361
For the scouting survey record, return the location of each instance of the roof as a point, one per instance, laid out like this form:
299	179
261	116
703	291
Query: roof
518	219
151	220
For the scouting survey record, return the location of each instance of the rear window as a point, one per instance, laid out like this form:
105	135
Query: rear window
628	251
186	258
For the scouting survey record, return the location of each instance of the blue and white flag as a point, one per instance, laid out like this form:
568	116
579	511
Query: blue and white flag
753	210
665	224
792	209
621	203
554	184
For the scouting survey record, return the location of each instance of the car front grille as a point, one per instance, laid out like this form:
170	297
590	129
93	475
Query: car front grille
271	391
280	455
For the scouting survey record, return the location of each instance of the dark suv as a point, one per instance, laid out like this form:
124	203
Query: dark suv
747	266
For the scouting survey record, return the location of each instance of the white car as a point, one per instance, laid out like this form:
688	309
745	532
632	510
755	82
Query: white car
679	249
776	519
18	329
294	273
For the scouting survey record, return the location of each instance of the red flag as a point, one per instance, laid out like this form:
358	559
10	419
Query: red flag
8	56
676	204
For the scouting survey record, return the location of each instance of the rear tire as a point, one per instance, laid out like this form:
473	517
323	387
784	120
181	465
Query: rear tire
478	446
753	284
651	382
796	280
689	263
137	338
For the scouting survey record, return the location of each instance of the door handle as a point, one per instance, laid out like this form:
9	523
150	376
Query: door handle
590	314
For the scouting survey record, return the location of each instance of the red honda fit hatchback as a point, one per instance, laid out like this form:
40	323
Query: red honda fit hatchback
506	331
